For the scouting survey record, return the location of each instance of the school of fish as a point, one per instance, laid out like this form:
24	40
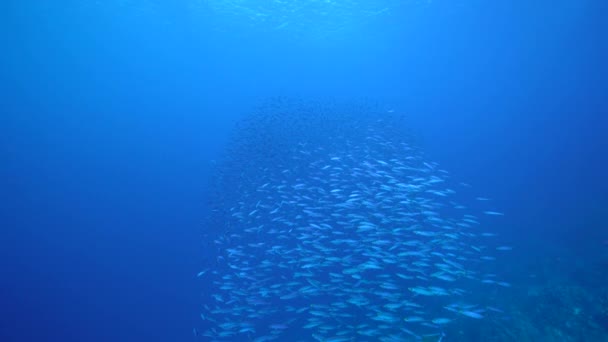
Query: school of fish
333	227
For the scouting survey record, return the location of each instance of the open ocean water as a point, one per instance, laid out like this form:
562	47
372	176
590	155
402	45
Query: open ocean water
304	170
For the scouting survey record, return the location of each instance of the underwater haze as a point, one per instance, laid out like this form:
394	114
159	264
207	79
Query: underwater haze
292	170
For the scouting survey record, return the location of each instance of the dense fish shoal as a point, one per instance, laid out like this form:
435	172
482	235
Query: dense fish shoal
329	224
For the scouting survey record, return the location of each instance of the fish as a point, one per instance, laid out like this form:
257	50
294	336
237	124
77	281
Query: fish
413	319
471	314
441	320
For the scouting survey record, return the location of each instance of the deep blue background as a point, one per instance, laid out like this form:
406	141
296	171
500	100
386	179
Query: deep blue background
111	115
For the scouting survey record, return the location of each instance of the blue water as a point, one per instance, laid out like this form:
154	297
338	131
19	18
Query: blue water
112	114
